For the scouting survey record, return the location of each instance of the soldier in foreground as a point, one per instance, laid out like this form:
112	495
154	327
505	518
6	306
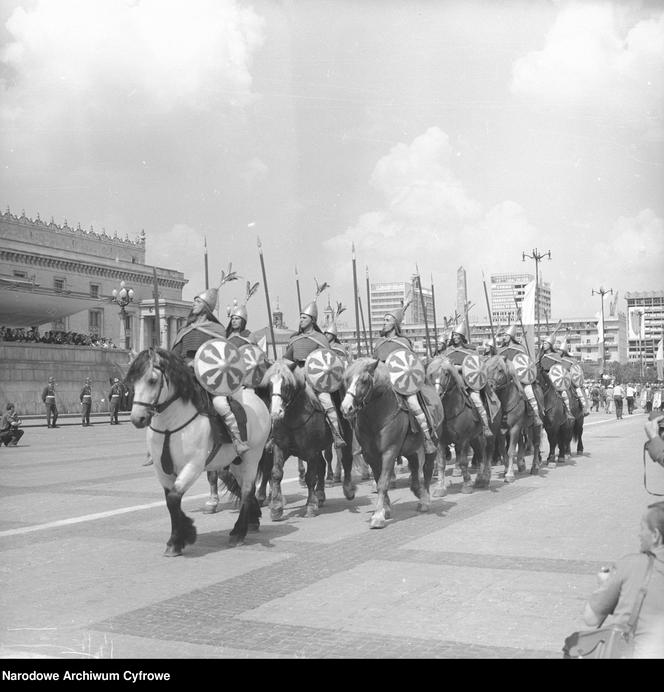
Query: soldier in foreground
48	397
86	402
114	398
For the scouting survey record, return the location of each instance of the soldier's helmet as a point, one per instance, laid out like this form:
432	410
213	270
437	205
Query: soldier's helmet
563	346
311	310
397	314
239	311
116	379
331	328
551	341
512	333
209	297
462	330
87	380
51	380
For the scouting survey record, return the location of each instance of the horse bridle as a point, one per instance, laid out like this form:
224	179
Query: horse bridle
358	402
155	407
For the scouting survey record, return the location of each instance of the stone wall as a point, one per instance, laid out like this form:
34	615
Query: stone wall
25	369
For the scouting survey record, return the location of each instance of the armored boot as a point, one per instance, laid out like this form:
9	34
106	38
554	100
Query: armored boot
568	411
333	421
475	398
582	399
430	439
223	408
528	389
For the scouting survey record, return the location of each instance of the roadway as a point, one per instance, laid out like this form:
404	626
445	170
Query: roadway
501	573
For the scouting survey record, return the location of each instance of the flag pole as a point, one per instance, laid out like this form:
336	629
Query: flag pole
369	311
267	298
435	325
424	310
488	307
207	281
364	328
357	314
156	337
297	285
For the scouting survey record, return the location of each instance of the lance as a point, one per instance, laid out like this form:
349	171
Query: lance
267	298
424	310
369	310
357	314
488	307
297	285
156	337
207	281
435	325
364	329
523	331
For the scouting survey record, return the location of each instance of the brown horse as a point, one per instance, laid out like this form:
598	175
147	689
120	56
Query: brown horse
299	428
519	427
557	425
462	427
382	424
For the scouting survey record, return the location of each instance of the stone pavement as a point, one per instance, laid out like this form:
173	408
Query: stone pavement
501	573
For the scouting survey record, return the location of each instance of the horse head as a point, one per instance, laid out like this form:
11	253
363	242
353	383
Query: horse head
440	373
359	380
284	381
497	373
158	377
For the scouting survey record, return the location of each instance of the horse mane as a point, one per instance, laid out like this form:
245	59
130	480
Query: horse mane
358	366
176	371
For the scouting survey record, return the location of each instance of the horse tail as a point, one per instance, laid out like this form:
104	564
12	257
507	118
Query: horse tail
230	483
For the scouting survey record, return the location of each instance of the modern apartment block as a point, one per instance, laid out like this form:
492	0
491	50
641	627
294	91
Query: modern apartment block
510	287
390	296
644	325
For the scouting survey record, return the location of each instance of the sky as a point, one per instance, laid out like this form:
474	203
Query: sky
425	134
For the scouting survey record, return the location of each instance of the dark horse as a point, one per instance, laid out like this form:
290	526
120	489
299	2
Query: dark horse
556	423
462	427
299	428
519	426
382	424
168	401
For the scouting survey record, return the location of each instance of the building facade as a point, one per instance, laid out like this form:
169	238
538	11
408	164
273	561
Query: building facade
507	293
57	277
384	297
644	323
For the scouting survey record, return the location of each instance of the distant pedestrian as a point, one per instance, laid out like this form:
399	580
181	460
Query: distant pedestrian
618	394
649	395
86	402
629	395
48	397
608	401
114	399
10	431
594	396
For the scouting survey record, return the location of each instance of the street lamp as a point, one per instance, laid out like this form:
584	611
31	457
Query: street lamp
538	257
602	292
123	297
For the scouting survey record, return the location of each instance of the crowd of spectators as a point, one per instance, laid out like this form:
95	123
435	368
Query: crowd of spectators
32	335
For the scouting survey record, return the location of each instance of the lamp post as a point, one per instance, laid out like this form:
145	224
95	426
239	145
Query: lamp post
123	297
602	292
538	257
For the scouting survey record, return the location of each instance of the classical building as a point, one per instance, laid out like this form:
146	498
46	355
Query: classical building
59	277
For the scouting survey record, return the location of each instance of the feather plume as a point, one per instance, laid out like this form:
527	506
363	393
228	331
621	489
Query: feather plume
228	276
320	287
408	301
251	290
340	308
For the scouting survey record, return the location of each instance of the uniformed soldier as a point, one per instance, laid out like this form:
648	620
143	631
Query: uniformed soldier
392	340
309	338
332	335
548	357
86	402
236	330
457	351
202	326
114	399
509	347
443	342
48	397
569	360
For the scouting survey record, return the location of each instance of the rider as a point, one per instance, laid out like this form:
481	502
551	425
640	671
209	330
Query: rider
457	351
568	360
202	326
443	342
510	346
331	334
548	357
309	338
392	340
236	330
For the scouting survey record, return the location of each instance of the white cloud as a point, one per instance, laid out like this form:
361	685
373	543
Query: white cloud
590	61
253	171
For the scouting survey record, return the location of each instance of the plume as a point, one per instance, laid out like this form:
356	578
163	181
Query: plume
408	301
251	290
320	287
340	308
228	276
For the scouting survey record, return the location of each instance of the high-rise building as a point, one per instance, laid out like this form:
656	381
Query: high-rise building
507	292
645	325
390	296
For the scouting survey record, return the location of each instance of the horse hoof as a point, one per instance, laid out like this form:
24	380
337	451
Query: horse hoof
310	513
210	507
235	541
509	478
349	493
439	492
254	528
172	552
456	472
466	488
551	465
534	471
276	514
377	524
422	507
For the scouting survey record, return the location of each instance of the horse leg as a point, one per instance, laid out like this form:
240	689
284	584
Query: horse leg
212	503
536	432
183	531
311	479
320	481
248	517
329	458
383	507
440	490
265	466
483	451
419	484
461	450
345	460
277	499
521	446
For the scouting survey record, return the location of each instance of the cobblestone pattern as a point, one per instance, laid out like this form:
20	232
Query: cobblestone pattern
209	615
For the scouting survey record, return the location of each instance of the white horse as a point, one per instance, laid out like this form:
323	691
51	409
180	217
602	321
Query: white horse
180	441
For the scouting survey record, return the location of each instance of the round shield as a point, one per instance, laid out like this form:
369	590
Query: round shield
559	376
406	371
324	370
576	373
254	362
218	367
525	368
474	374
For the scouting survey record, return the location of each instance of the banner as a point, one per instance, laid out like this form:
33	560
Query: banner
635	324
600	328
659	360
528	316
